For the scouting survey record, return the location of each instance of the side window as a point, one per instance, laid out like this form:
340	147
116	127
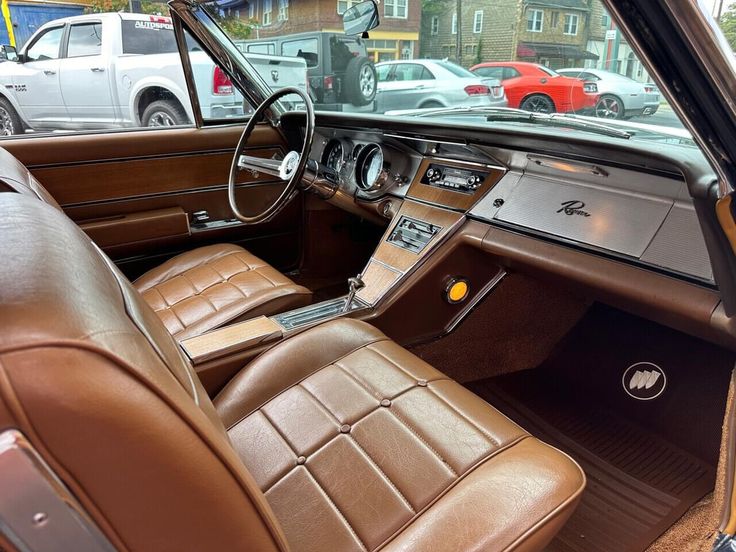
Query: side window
148	37
491	72
411	71
85	40
426	74
307	48
510	73
382	72
46	46
268	48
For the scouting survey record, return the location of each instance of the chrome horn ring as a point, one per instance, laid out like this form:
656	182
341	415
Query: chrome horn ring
290	168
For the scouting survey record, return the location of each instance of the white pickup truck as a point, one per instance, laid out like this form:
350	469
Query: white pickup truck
115	70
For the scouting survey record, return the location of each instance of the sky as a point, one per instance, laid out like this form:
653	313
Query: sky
711	4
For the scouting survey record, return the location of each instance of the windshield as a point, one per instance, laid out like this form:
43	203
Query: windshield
457	65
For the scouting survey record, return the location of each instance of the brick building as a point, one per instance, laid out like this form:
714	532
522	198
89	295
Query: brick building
551	32
487	30
614	52
397	36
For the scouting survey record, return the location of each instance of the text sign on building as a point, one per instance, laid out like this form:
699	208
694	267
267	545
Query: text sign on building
611	35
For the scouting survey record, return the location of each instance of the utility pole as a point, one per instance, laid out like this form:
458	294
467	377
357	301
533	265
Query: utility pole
458	36
720	10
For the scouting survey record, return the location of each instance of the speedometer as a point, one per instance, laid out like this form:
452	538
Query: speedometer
369	166
333	155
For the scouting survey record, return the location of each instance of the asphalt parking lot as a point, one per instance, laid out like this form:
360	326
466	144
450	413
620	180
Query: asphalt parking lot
663	117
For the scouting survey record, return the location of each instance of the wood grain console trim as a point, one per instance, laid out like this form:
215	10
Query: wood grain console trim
450	198
390	263
238	337
379	279
401	259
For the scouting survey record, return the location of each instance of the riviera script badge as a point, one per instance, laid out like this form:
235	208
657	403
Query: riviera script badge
573	207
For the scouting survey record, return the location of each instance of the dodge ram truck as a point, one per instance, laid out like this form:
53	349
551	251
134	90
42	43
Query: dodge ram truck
116	70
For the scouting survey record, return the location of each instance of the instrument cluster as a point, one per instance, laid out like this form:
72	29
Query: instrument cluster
360	163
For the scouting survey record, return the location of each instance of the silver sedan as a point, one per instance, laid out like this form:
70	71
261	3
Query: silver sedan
425	83
620	96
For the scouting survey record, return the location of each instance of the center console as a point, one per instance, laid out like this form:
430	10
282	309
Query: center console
432	211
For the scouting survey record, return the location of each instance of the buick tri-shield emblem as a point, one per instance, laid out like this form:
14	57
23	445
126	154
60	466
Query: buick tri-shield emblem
644	381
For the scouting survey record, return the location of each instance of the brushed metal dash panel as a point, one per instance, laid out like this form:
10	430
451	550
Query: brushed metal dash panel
679	245
620	221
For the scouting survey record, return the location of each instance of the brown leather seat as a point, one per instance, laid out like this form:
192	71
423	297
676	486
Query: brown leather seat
335	439
207	287
196	291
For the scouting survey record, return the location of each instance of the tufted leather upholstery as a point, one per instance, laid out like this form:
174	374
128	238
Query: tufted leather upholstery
199	290
361	444
337	438
210	286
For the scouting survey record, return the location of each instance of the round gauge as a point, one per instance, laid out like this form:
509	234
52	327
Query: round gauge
356	151
369	166
333	155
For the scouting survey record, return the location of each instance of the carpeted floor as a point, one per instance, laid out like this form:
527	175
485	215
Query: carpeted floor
514	328
647	462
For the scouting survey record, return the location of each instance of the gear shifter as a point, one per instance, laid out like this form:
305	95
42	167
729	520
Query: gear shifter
355	284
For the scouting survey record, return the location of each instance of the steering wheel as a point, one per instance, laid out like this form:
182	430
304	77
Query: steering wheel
290	168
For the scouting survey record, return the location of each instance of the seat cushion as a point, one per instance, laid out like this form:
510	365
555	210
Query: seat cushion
358	444
210	286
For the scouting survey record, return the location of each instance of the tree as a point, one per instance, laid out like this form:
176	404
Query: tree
104	6
143	6
235	27
728	26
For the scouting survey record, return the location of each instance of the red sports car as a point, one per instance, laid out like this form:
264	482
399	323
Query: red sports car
534	87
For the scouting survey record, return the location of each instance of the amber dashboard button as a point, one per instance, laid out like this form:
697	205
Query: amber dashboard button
456	290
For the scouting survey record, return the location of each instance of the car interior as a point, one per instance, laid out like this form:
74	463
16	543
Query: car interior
412	336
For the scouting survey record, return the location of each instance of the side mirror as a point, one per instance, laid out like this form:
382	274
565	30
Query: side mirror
8	52
361	18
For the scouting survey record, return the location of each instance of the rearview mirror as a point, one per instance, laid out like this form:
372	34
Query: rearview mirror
8	52
361	18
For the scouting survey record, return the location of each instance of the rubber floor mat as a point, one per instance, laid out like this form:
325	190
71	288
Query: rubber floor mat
646	462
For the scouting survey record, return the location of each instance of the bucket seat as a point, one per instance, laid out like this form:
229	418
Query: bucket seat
334	439
196	291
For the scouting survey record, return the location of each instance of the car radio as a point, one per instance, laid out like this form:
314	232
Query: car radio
453	178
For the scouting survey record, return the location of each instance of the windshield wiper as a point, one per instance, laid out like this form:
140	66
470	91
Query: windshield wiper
559	120
511	115
460	109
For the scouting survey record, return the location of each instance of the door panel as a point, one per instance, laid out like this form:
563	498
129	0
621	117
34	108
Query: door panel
115	182
111	180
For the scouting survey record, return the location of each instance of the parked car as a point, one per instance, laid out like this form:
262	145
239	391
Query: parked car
433	83
534	87
620	96
341	75
117	70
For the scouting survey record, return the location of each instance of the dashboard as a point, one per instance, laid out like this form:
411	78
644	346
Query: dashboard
642	218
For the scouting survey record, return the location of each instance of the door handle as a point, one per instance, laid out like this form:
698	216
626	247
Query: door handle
49	72
97	69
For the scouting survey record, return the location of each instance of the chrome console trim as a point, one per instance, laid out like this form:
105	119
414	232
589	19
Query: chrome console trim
37	511
317	313
475	301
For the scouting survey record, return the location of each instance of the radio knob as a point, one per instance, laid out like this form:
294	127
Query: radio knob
471	181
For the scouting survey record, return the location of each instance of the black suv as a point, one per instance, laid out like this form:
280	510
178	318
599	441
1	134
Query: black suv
340	73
